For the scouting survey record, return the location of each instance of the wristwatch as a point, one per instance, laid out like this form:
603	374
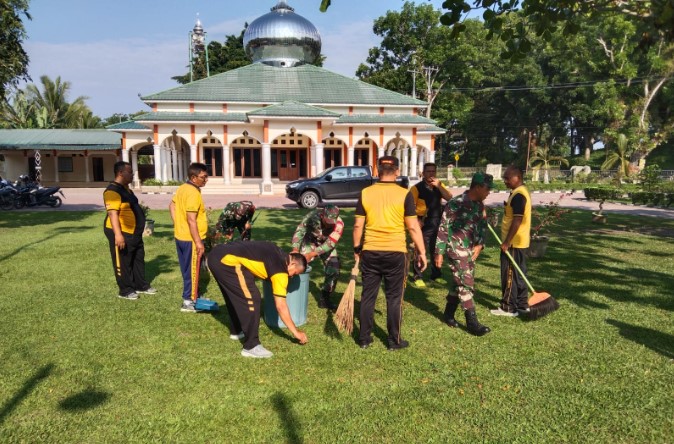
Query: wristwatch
358	249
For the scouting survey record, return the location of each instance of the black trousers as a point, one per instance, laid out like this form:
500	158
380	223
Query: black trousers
242	298
515	291
429	230
390	267
128	263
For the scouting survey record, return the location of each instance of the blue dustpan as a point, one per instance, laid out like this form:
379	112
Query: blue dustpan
204	304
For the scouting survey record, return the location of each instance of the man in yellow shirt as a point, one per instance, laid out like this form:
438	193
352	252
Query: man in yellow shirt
189	228
123	226
235	267
383	212
515	235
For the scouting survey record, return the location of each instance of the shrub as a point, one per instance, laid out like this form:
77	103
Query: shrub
174	182
650	177
603	193
152	182
547	215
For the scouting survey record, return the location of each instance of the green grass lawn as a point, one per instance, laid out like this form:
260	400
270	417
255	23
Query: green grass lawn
78	364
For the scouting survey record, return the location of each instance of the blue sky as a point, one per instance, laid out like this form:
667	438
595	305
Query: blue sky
111	51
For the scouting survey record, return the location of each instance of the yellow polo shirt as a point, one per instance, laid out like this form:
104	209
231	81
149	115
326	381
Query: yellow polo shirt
187	199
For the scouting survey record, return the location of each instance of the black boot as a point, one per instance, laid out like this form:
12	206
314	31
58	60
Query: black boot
450	309
472	324
324	301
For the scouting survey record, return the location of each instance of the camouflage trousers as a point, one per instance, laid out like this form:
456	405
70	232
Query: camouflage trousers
462	266
331	264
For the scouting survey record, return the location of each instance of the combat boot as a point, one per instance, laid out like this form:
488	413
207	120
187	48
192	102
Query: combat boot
450	309
472	324
324	301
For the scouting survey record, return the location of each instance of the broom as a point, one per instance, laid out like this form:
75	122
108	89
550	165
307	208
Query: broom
344	313
540	302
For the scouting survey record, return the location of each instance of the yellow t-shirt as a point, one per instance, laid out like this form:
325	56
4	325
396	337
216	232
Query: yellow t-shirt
523	235
188	200
385	205
124	205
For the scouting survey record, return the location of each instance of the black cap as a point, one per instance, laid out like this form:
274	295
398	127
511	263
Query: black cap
389	160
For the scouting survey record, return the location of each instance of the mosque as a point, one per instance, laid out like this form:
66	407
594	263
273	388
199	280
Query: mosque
276	120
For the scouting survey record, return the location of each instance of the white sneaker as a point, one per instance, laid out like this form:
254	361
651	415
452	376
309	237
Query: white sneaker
257	352
237	337
499	312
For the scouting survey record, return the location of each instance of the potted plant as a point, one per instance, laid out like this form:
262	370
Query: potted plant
149	223
544	216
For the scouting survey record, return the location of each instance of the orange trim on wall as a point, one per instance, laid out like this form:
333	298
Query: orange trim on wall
191	107
224	107
351	110
319	131
265	132
381	136
375	171
193	135
346	154
224	134
154	107
414	137
415	111
350	136
123	140
433	142
381	110
155	135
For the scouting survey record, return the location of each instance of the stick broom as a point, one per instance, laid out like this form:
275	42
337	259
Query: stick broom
344	313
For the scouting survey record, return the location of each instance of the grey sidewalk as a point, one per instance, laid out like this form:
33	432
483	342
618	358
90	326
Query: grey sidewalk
79	199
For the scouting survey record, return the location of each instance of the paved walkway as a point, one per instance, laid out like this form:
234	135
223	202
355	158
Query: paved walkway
78	199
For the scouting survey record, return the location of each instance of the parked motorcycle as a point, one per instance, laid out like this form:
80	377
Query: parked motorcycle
32	195
7	195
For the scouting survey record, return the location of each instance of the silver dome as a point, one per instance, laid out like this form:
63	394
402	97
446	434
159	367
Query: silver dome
282	38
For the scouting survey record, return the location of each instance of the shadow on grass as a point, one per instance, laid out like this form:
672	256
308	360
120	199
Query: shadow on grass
85	400
18	250
291	425
160	265
657	341
28	387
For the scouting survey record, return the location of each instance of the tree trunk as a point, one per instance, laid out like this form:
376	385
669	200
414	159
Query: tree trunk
589	142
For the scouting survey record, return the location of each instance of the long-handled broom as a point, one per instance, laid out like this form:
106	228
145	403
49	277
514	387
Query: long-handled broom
344	313
540	302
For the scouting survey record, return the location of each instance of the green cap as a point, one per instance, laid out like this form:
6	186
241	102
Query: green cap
481	178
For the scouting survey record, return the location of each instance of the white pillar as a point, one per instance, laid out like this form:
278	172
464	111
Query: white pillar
422	159
134	167
413	162
165	157
174	165
431	156
56	168
320	158
350	151
86	168
405	160
225	165
193	153
266	187
157	162
181	166
312	167
381	152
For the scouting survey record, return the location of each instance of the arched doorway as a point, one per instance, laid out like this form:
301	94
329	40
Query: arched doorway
175	157
334	152
365	151
212	149
289	156
246	156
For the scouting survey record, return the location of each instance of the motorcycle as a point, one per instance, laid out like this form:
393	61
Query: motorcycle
32	195
7	195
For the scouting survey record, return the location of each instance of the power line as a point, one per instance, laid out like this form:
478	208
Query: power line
636	80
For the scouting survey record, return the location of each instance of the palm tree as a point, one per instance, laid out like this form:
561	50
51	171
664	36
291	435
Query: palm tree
621	157
17	112
52	106
543	158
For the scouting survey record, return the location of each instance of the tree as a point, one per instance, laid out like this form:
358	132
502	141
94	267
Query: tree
17	112
543	158
620	157
13	58
51	104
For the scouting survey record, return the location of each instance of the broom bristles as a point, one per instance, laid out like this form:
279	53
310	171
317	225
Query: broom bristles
543	308
344	313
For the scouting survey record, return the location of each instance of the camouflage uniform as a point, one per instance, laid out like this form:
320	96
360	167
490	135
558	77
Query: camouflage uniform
311	235
461	229
235	216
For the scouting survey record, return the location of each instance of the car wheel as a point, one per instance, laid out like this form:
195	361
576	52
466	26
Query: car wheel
309	200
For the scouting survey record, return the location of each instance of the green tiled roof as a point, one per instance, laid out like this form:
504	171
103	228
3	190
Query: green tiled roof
259	83
191	117
385	118
60	139
292	109
127	125
431	129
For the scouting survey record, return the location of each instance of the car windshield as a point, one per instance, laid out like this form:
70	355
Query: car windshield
329	171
